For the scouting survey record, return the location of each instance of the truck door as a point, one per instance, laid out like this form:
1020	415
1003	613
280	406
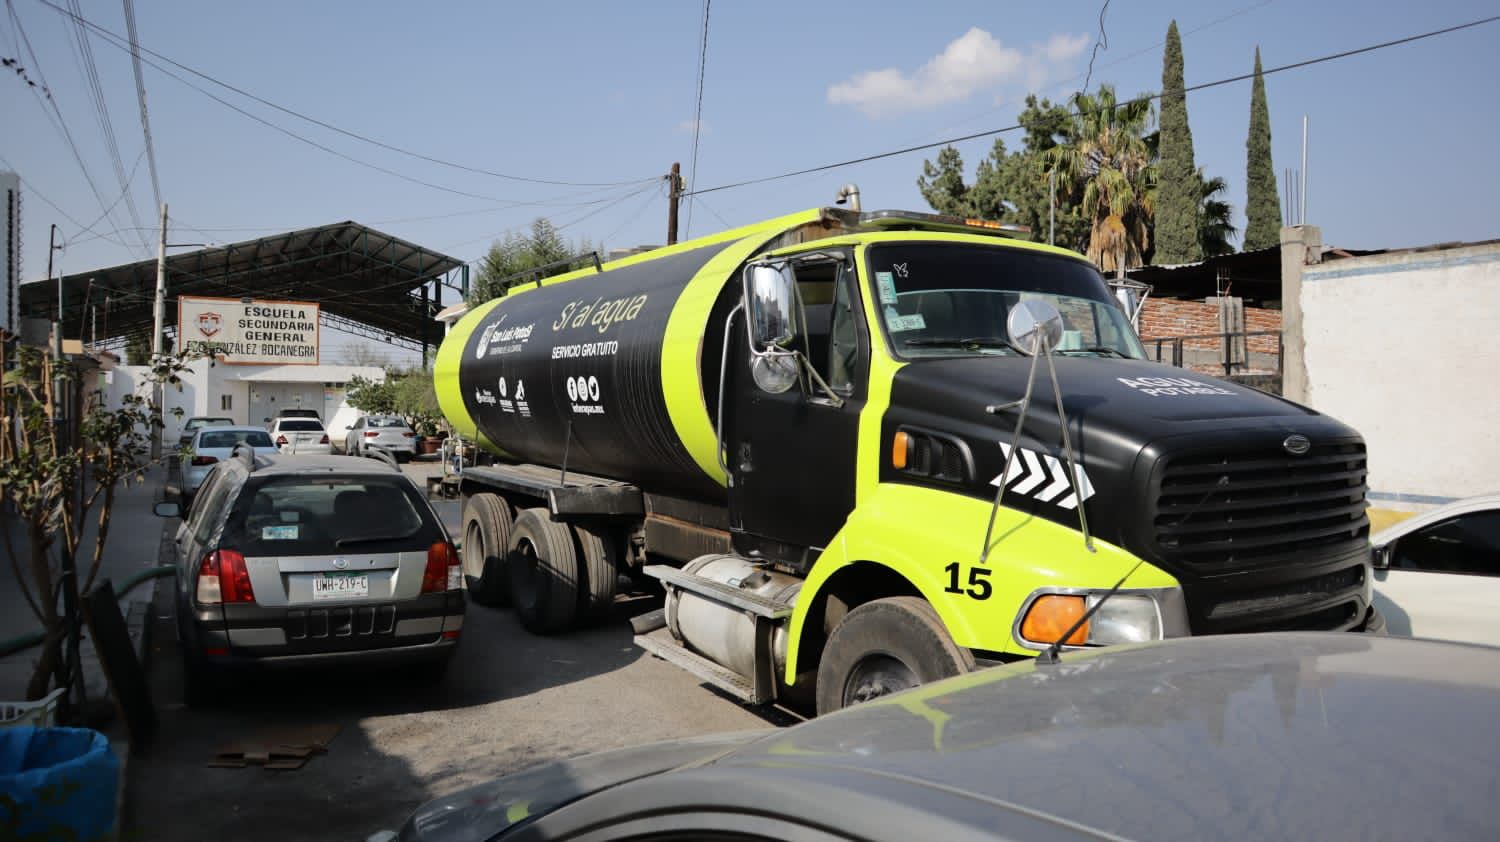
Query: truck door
792	456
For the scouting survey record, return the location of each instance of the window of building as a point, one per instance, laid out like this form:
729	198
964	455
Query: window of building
226	403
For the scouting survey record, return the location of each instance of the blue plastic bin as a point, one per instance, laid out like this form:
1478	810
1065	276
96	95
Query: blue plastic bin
57	783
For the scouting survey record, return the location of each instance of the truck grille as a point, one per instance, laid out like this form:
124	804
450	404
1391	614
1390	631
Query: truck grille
1218	511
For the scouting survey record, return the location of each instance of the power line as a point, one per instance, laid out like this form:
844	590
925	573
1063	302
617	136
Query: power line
1147	97
347	133
83	53
47	99
697	116
1101	43
29	185
140	90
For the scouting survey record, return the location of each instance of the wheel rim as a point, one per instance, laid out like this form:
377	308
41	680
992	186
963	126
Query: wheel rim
876	676
475	551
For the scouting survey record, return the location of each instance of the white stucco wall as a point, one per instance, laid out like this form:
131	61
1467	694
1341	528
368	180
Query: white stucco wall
203	388
1405	347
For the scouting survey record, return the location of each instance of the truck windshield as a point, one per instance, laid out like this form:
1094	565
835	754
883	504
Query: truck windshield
947	299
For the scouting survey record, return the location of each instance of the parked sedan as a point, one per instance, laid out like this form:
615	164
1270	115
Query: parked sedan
1438	574
193	424
1254	737
385	431
308	560
212	445
300	435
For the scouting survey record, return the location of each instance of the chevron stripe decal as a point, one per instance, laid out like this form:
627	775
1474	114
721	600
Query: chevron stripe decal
1044	477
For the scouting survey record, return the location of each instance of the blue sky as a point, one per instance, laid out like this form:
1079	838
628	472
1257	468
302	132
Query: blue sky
1400	155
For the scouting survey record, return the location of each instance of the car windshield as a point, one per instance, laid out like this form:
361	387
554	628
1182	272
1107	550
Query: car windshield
945	300
232	438
301	425
385	422
330	515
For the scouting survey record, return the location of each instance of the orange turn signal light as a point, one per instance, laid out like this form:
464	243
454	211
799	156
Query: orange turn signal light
1051	615
899	446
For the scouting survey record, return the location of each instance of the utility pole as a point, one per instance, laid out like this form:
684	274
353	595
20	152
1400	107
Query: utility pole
1051	206
160	315
674	195
1302	186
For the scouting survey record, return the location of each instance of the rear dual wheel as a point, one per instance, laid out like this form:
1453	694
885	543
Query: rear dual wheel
544	571
487	534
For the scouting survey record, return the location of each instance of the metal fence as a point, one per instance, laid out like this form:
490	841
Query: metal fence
1235	351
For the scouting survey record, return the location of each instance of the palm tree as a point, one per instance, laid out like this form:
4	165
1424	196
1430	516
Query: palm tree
1109	163
1215	231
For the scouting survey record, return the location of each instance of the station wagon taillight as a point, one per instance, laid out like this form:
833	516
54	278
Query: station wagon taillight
224	578
324	439
443	572
409	434
370	434
281	441
204	460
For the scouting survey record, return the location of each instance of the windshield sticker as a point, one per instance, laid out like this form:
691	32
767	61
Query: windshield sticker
901	324
279	533
887	287
1172	386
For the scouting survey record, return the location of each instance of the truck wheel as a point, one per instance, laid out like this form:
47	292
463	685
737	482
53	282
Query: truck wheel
597	549
543	568
885	646
487	529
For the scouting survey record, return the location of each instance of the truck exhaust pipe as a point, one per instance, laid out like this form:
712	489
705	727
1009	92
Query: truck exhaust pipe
848	194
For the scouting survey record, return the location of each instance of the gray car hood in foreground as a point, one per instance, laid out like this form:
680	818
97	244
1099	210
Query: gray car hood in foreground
1275	736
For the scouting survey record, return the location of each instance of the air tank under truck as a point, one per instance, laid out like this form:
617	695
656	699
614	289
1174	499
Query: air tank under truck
861	452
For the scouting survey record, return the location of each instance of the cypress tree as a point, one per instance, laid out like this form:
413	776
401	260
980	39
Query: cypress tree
1178	189
1263	206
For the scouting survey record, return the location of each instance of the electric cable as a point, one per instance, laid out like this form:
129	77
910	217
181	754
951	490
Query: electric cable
687	225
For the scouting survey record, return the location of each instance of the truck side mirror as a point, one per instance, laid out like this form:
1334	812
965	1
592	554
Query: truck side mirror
770	291
1035	326
1380	557
771	302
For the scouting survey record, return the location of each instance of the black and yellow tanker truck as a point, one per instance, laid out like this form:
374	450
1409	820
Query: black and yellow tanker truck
864	451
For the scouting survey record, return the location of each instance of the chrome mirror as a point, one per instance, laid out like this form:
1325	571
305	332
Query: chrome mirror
1035	326
770	299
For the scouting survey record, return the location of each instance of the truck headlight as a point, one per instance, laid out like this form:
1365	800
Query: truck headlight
1126	617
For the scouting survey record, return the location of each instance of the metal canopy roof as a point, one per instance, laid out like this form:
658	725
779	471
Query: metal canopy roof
365	281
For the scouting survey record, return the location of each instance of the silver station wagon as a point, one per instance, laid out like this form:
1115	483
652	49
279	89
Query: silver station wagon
312	559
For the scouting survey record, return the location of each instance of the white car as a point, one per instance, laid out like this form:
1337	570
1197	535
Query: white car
387	432
211	445
1438	574
300	435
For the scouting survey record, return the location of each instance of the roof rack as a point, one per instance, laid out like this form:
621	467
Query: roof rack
246	453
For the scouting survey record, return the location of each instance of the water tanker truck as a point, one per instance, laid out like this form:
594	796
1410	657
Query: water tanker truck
865	451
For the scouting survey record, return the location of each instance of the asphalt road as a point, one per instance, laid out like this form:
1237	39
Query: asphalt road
510	700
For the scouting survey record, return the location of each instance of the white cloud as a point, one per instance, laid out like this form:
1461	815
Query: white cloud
974	62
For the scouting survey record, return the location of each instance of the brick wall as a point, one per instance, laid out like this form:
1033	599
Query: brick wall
1163	318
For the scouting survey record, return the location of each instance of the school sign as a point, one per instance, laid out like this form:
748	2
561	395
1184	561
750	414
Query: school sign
237	332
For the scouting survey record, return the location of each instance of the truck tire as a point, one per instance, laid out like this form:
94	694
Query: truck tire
885	646
487	529
597	550
543	569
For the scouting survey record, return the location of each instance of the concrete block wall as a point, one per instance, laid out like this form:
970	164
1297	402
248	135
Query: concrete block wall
1401	346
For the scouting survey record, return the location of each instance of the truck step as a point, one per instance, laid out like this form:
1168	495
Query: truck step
745	600
661	644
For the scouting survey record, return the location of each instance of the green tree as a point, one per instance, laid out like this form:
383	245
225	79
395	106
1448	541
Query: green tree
1008	186
1178	196
1263	205
510	261
1108	165
1215	217
372	397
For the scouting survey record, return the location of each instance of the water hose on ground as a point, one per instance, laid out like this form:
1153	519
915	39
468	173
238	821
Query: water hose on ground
26	641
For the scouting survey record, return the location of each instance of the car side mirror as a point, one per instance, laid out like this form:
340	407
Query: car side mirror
168	508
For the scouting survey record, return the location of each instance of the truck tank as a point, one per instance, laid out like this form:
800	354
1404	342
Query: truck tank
615	371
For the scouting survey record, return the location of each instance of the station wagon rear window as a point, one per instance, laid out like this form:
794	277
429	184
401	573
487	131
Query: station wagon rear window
330	515
231	438
300	425
386	422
